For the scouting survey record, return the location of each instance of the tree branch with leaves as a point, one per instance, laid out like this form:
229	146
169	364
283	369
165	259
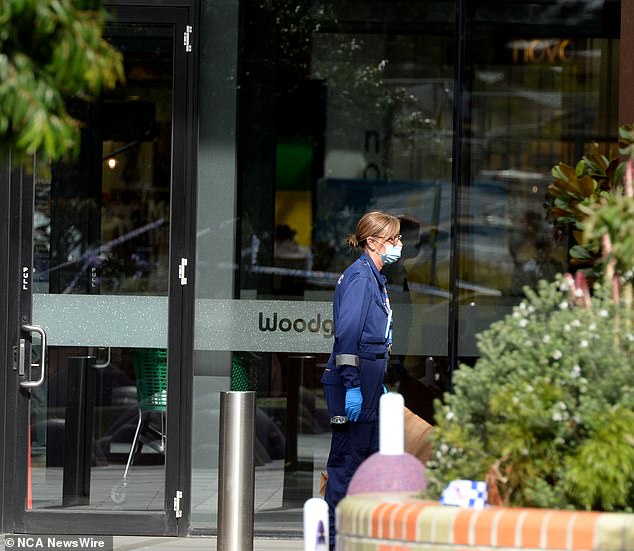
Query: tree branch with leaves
51	50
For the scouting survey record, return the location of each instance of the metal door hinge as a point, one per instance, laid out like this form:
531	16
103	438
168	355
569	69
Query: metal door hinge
177	504
187	38
182	275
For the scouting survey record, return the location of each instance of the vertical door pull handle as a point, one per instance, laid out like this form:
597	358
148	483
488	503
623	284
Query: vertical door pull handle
21	357
42	365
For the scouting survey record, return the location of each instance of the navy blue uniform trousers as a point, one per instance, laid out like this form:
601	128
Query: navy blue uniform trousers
353	442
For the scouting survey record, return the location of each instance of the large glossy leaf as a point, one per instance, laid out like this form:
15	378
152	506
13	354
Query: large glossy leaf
562	171
587	185
555	190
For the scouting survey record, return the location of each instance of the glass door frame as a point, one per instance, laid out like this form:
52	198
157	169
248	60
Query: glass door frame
19	189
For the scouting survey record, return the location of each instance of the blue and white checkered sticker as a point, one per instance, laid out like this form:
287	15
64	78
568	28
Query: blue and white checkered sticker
465	493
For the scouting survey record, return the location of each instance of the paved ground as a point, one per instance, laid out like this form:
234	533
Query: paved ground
140	543
129	543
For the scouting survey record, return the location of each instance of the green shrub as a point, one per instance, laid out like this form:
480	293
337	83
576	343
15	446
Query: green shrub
547	413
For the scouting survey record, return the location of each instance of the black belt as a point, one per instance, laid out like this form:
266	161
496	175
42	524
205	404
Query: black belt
385	354
368	356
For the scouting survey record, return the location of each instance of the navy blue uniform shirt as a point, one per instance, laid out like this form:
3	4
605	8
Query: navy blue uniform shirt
361	315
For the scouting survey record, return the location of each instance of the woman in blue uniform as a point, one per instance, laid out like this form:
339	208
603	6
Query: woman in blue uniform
353	377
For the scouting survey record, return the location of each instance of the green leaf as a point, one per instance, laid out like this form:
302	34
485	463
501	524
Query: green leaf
579	252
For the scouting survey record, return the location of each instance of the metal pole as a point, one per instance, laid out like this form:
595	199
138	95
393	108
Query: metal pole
236	477
78	431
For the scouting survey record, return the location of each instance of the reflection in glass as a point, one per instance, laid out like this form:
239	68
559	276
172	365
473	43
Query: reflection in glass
83	425
534	100
353	106
102	222
349	106
355	113
101	227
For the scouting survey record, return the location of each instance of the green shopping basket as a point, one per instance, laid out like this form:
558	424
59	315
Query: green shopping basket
150	368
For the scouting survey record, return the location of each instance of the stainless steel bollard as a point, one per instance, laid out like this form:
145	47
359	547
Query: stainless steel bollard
236	476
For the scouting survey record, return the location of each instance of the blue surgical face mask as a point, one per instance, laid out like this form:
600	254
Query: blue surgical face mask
392	253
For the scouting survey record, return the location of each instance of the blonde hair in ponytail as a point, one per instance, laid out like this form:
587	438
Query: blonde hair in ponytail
373	224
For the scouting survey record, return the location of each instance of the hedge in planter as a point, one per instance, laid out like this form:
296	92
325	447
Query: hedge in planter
547	413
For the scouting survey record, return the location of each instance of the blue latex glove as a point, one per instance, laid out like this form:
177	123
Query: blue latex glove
384	389
353	403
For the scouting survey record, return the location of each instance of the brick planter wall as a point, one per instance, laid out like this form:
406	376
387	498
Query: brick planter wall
386	522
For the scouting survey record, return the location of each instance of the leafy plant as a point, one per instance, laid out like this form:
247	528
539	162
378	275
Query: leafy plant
50	50
613	216
577	192
547	413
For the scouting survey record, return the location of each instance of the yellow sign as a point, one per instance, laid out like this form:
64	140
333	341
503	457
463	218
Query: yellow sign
541	50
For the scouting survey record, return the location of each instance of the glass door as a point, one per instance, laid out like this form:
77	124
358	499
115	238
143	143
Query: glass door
104	279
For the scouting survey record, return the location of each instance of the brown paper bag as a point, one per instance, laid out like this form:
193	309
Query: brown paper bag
417	443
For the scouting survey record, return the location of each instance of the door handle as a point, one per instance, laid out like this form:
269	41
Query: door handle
42	365
102	365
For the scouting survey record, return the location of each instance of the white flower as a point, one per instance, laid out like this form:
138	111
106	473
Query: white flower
557	416
576	371
564	286
449	416
528	344
530	309
444	448
557	354
575	323
579	293
529	388
546	339
563	305
592	326
517	315
630	337
382	64
603	313
567	328
523	323
583	344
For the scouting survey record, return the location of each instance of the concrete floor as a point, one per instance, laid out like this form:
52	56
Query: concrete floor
137	543
140	543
